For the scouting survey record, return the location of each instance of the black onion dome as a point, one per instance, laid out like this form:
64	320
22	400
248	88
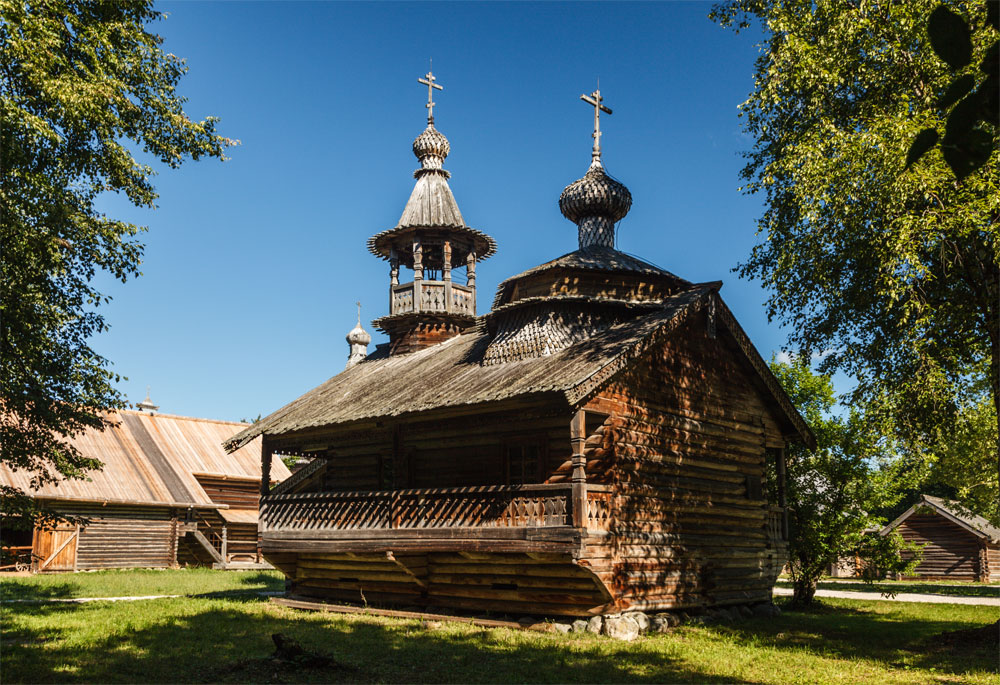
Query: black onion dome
595	195
431	143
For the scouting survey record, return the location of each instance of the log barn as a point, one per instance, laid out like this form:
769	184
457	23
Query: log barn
168	494
605	438
957	545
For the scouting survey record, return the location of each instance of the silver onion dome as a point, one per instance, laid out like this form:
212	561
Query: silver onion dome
595	203
431	148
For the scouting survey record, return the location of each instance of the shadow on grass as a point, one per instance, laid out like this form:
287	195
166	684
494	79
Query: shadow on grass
13	588
896	638
231	642
204	640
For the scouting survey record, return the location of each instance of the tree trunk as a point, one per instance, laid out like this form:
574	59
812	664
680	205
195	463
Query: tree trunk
804	590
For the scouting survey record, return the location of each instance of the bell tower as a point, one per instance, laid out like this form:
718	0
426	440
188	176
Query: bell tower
433	241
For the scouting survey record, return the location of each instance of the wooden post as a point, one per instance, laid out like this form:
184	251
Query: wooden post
446	274
173	538
393	279
266	453
577	439
470	277
225	544
782	500
418	272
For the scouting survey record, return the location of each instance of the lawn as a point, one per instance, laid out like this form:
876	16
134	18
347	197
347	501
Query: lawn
137	583
926	587
226	637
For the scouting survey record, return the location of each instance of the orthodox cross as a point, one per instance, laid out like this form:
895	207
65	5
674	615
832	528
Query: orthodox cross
359	311
594	99
428	80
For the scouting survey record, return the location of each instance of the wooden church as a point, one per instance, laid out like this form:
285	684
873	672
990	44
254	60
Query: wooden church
605	438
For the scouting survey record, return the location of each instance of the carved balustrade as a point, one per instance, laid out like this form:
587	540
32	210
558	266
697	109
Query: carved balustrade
491	506
446	297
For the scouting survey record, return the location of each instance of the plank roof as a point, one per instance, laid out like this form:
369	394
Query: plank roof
390	386
152	459
975	524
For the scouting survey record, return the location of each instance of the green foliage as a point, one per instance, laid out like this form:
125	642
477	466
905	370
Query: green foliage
893	273
833	489
962	461
83	85
971	101
884	556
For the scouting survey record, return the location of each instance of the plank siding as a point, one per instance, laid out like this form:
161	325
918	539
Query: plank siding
949	551
239	493
117	536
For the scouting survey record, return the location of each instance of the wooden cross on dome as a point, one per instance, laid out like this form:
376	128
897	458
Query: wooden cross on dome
594	99
428	80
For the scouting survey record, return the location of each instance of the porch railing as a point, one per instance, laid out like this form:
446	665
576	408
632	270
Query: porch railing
776	525
490	506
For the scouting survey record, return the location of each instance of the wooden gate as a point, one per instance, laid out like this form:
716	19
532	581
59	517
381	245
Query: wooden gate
56	549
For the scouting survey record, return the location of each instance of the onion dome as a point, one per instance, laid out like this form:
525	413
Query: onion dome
595	203
358	339
431	148
359	336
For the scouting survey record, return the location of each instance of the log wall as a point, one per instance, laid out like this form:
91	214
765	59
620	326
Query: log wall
238	493
446	453
527	583
690	525
950	551
121	536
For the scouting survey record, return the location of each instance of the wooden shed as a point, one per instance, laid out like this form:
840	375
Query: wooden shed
168	494
957	546
599	441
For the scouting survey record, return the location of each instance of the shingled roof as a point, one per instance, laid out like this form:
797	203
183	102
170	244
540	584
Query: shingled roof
389	386
975	524
593	258
153	459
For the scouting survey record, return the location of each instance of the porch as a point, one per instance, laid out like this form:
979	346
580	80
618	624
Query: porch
501	518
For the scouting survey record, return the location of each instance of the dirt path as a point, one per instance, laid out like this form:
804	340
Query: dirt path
901	597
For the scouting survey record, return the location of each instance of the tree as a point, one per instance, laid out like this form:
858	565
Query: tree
83	83
892	272
971	99
833	490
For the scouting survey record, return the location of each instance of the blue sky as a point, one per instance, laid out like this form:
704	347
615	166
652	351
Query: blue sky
252	266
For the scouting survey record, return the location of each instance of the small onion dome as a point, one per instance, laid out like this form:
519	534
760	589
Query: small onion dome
358	336
595	195
431	148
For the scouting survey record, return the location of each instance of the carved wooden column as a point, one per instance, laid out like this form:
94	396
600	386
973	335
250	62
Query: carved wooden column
418	272
470	273
446	274
393	279
577	438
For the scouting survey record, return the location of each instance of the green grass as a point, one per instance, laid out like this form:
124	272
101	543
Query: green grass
227	639
926	587
137	583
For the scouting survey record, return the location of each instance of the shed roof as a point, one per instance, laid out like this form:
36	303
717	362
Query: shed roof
152	459
389	386
975	524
